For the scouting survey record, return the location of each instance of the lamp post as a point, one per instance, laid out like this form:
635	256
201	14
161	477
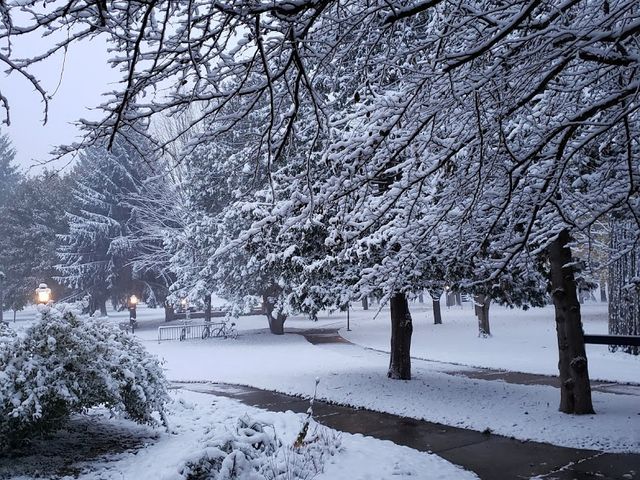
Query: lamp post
133	303
187	314
43	294
2	277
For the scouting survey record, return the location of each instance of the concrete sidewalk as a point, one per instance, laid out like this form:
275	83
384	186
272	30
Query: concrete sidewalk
490	456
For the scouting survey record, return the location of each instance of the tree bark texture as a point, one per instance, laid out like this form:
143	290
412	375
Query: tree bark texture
624	294
482	303
401	330
575	389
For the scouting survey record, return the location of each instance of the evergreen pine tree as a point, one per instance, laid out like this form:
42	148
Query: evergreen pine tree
95	254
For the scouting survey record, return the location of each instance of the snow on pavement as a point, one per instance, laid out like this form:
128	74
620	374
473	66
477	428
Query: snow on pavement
193	414
355	376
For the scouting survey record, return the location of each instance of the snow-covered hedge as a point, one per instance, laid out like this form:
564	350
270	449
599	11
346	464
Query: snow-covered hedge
65	364
6	333
253	451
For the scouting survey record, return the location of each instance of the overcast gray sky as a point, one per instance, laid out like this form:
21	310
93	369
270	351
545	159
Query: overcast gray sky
85	77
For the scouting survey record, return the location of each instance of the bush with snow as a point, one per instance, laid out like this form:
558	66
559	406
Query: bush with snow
65	364
252	451
7	334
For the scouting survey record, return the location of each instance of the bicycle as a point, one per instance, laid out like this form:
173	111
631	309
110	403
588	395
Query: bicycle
184	330
220	330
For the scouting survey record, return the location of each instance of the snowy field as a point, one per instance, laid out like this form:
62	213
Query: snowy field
130	451
355	375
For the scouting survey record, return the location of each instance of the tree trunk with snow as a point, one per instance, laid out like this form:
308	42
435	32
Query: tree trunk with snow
437	313
624	291
575	389
365	303
482	303
98	304
401	330
168	312
274	315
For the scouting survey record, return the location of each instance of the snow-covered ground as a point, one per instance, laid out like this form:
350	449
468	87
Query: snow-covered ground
522	341
351	374
160	455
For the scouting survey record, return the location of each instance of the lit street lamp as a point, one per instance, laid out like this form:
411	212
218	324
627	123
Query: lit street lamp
133	303
43	294
187	314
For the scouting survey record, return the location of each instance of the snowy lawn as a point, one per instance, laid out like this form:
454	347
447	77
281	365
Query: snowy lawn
97	447
353	375
522	341
356	376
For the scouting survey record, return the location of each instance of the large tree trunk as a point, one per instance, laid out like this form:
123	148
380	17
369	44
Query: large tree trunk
624	296
276	322
575	389
103	308
482	303
401	330
96	304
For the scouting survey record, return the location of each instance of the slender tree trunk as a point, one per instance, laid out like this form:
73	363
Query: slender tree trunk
207	307
421	298
1	300
575	389
276	322
365	303
401	330
482	303
437	314
458	299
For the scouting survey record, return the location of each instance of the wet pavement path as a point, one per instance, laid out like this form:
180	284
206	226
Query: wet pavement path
490	456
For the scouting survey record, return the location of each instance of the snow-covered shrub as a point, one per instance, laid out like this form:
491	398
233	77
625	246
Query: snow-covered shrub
253	451
7	334
66	364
